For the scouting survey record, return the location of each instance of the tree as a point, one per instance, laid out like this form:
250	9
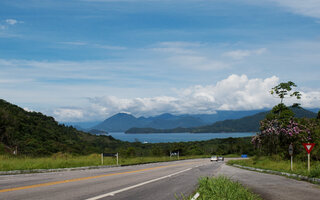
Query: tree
318	117
284	89
280	128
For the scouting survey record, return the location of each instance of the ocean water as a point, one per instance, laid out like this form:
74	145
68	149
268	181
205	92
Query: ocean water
174	137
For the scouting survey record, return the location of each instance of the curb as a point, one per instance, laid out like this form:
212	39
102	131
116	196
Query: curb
305	178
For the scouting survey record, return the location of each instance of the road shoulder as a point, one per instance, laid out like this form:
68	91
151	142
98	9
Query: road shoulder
270	186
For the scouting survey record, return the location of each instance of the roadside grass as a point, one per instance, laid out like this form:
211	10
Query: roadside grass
222	188
276	163
61	160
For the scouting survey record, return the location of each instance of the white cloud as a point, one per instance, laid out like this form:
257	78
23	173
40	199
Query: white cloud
11	21
74	43
233	93
189	55
101	46
109	47
240	54
310	8
68	114
197	62
27	109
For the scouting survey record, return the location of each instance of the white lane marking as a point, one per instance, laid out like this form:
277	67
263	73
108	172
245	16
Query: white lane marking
134	186
195	196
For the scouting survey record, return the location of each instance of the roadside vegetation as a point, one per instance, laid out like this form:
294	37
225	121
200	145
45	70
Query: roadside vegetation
222	188
60	160
276	163
281	128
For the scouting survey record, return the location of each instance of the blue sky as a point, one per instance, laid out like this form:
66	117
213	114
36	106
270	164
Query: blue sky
84	60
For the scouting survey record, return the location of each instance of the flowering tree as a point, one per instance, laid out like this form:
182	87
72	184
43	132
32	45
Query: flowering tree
280	128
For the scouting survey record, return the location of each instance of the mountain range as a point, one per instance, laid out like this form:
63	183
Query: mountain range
244	124
122	121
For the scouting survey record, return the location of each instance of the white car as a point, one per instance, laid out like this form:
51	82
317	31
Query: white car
220	158
214	158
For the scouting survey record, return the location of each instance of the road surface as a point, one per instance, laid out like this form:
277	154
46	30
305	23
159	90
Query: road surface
150	181
272	187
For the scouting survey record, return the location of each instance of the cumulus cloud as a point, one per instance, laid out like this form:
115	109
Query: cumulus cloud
240	54
68	114
27	109
236	92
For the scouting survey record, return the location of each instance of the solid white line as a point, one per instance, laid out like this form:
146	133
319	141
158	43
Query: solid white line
134	186
195	196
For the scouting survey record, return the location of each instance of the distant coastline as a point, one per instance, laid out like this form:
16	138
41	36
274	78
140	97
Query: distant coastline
176	130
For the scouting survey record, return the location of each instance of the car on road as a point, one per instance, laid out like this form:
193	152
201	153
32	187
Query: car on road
220	158
214	158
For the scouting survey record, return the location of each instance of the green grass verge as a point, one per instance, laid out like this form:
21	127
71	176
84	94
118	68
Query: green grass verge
61	160
222	188
278	164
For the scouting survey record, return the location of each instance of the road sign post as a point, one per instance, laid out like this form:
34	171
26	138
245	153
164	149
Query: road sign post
174	154
291	155
110	155
309	162
117	158
308	147
101	158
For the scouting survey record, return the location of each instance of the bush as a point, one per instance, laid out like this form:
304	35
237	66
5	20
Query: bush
221	188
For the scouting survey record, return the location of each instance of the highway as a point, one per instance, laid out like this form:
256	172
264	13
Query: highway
148	181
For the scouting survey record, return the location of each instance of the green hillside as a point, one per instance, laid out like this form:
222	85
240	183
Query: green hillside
247	124
33	133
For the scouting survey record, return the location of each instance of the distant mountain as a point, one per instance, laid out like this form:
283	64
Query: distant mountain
315	110
97	132
122	122
245	124
82	126
226	114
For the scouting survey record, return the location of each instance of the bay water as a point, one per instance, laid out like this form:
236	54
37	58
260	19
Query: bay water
174	137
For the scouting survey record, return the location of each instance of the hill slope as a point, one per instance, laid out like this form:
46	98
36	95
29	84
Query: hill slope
36	134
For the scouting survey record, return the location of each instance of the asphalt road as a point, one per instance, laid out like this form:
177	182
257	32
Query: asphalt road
149	181
272	187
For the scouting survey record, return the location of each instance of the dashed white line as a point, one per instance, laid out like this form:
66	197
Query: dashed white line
137	185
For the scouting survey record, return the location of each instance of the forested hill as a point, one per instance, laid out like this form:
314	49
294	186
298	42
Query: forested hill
36	134
245	124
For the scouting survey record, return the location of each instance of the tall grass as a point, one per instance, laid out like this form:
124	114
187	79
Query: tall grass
61	160
222	188
276	163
